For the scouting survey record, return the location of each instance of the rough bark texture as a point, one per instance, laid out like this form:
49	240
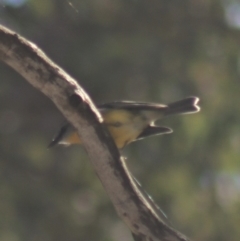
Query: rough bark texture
132	205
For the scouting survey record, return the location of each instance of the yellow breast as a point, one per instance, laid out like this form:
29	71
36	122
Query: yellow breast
124	127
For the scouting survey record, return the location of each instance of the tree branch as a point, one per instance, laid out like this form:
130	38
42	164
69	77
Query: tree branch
132	205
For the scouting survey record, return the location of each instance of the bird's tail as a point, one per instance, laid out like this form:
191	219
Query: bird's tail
185	106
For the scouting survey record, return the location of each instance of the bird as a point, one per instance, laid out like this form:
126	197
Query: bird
129	121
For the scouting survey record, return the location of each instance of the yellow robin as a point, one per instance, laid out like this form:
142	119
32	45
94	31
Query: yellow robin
129	121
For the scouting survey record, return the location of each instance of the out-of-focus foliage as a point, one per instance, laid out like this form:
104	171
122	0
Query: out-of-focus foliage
157	50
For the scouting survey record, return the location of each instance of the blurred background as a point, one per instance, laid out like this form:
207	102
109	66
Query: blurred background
156	51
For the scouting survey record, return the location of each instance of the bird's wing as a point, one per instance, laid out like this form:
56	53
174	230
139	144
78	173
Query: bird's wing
131	105
153	131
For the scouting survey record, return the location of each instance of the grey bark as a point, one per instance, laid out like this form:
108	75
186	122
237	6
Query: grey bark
131	203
